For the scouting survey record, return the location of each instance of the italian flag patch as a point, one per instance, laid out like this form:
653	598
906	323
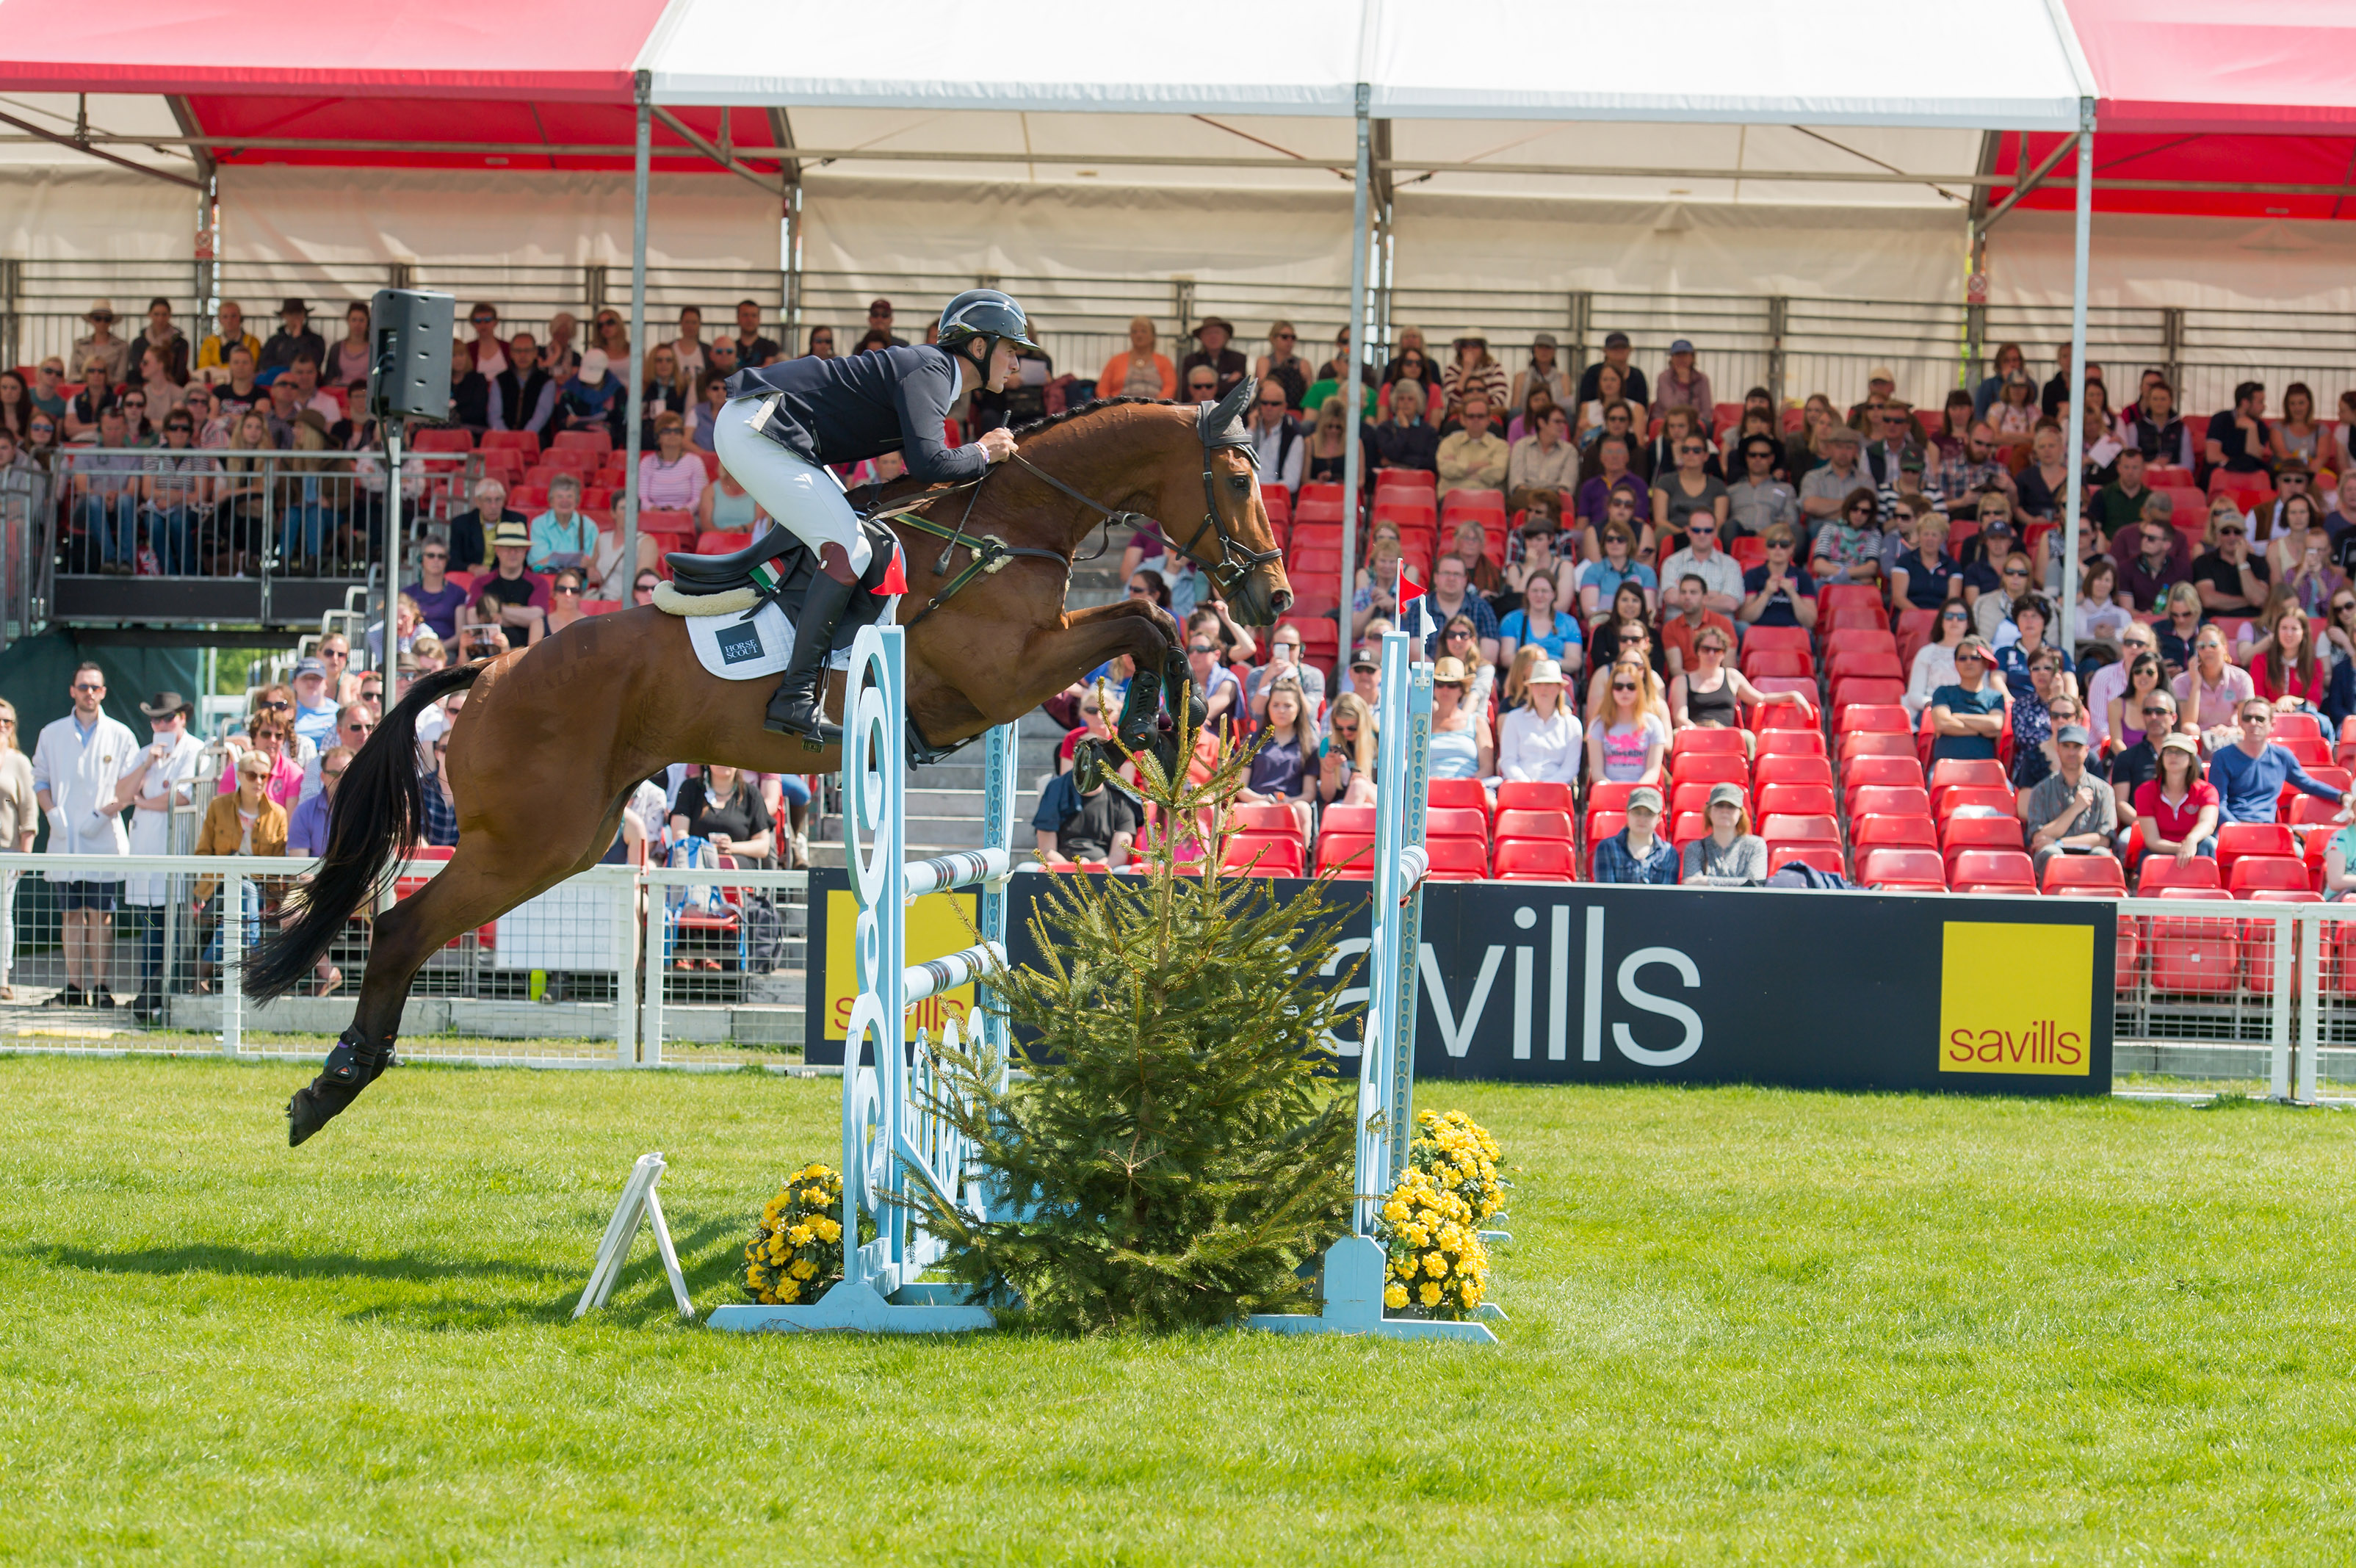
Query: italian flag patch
765	576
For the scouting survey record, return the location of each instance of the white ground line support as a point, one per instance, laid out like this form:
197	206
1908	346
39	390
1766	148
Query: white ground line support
1351	1290
889	1139
640	1204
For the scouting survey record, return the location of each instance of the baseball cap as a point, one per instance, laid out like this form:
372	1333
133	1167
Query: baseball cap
1882	373
1681	346
1842	433
1364	659
1645	798
1615	339
2179	741
1721	794
1543	341
2076	735
310	666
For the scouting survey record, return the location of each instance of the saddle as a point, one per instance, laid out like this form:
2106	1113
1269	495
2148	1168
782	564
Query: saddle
775	568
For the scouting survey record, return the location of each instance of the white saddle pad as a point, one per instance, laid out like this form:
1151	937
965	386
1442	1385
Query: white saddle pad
736	648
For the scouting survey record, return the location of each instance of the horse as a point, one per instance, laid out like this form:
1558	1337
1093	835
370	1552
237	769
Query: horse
553	738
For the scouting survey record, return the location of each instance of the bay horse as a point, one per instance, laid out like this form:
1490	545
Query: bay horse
553	738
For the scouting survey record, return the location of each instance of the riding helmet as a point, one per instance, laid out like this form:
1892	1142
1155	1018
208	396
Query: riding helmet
984	312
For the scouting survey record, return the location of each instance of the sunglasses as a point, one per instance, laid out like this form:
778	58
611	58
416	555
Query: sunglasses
2233	531
437	555
86	686
2015	572
643	588
1969	659
274	702
1954	615
572	588
1136	592
1271	402
1703	528
1623	685
1200	649
177	429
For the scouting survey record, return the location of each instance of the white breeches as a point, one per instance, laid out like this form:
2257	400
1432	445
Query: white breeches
800	497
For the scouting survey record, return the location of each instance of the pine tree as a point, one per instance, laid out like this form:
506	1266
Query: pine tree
1179	1143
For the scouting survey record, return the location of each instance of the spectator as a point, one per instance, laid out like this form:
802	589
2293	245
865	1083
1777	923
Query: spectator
2239	440
155	388
2249	775
102	345
487	351
1710	695
879	323
2211	690
1546	371
1616	350
1778	592
1285	664
173	489
2229	579
2044	484
721	806
1404	440
2120	694
89	402
2301	437
2161	563
171	345
470	531
563	536
1658	456
1071	826
1450	598
1967	716
315	703
1461	746
510	598
687	349
1628	736
1329	444
1283	366
2300	544
1696	609
2153	429
306	829
2014	415
1536	625
1215	683
1224	362
2039	703
1345	763
753	350
2286	669
720	364
665	390
1137	371
593	398
15	405
437	598
269	734
1935	661
1539	741
1971	474
1681	385
20	818
1473	458
470	392
2120	503
293	338
1544	461
106	500
163	776
2055	396
1276	439
2135	766
1283	765
523	395
1730	854
1595	417
1894	445
1880	387
2176	809
2179	629
242	819
1825	491
212	429
1996	574
353	359
2072	810
441	825
1636	854
1532	548
1202	384
1758	500
2022	637
1609	459
48	391
1473	370
1688	493
1925	576
78	768
241	391
1601	583
1850	544
2267	523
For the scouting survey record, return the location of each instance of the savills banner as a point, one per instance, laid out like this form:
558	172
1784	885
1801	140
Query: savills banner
1581	984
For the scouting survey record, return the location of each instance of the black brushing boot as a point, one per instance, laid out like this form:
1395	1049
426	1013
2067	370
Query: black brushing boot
352	1066
799	707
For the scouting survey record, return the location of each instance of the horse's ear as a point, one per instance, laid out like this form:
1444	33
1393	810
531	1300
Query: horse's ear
1221	418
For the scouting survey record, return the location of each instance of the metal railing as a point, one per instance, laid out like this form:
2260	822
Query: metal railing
1793	345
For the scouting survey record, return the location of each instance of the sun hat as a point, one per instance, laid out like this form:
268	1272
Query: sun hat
507	534
1451	671
1545	673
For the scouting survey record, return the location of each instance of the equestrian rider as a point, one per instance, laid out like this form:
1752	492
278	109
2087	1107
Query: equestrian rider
783	424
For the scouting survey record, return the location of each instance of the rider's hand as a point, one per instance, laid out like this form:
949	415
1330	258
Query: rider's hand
998	445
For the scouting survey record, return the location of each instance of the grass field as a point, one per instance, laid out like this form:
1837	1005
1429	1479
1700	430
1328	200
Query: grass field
1747	1325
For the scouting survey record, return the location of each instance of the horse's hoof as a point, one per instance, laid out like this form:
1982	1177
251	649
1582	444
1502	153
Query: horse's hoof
313	1108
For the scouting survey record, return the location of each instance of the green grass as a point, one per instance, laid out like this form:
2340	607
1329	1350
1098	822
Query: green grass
1747	1326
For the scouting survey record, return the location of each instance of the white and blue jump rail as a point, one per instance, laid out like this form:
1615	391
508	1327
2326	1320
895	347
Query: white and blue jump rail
889	1140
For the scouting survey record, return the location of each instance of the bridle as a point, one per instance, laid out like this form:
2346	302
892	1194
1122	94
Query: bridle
1218	427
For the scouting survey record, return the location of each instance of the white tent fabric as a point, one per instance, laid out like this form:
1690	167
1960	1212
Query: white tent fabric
1728	60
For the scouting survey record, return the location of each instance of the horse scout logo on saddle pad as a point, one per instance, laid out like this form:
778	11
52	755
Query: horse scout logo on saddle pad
735	646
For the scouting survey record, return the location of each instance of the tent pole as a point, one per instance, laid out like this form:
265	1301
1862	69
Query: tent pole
2077	449
637	394
1353	455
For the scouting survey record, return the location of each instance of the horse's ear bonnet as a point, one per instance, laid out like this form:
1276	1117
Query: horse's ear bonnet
1221	423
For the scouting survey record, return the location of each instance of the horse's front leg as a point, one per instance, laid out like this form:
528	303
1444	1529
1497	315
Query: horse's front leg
1150	636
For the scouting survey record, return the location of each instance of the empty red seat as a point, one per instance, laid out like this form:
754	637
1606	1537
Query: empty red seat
1858	691
1976	800
1265	816
1698	741
1959	833
1902	869
1263	854
1458	859
1823	856
1889	800
1712	768
1894	833
1991	871
1800	829
721	543
2193	957
1885	742
2096	874
1785	770
1462	794
1861	595
450	439
1984	772
1347	820
1778	662
1897	768
1349	855
1533	825
2235	840
2158	871
1797	742
1534	860
1878	718
1801	800
2278	873
1878	663
1518	795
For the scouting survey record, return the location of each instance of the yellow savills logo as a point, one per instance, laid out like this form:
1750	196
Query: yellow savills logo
2016	998
938	925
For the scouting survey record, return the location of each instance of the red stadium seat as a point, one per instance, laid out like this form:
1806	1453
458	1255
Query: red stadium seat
1517	795
1688	826
1462	794
2158	871
1263	854
1859	639
1902	869
1698	740
1347	820
1894	833
1534	860
1782	769
2093	872
1855	691
1900	771
1348	855
2274	873
1793	829
1890	801
1533	825
1887	743
1601	825
2235	840
1875	718
1796	799
1454	822
1957	834
1991	871
1807	741
2194	956
1838	596
721	543
1712	768
1823	856
1979	802
1694	796
449	438
1265	817
1777	661
1458	860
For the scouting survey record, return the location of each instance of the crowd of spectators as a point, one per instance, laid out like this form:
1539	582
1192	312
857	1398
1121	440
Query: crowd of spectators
1591	568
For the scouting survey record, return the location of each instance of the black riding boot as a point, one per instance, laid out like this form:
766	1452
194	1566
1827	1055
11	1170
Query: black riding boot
799	707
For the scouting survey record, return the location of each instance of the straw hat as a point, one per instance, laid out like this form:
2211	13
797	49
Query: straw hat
1545	673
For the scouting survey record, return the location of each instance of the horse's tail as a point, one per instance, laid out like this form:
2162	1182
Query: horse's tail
379	812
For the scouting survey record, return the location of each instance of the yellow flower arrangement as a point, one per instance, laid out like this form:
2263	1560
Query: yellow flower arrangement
1459	1154
1438	1267
796	1251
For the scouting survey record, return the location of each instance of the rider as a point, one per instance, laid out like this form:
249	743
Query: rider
782	423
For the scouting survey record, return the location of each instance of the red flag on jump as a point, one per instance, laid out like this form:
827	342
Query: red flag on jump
1408	592
895	580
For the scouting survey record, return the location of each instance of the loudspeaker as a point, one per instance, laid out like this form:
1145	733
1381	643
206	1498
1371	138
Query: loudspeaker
413	330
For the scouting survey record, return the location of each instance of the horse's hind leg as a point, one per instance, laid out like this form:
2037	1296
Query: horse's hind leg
481	882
